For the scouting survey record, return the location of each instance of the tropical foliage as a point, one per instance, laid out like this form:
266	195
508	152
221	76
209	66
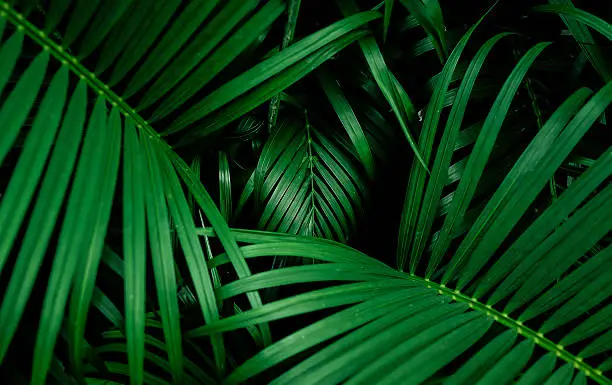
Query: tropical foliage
411	191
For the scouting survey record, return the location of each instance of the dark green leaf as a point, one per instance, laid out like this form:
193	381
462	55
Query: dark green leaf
221	230
481	361
568	287
199	47
330	327
330	37
9	53
590	49
107	15
416	182
508	367
29	168
106	307
225	187
304	303
583	17
481	152
539	372
181	30
387	21
529	175
349	121
415	331
593	325
547	222
196	262
43	218
448	144
560	250
79	18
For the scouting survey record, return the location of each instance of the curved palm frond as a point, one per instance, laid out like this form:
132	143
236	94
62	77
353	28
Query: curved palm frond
400	315
67	176
418	175
537	291
503	286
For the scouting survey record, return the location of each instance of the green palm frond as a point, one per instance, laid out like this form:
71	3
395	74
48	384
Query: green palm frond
393	92
78	146
533	313
504	251
435	334
388	12
307	185
417	176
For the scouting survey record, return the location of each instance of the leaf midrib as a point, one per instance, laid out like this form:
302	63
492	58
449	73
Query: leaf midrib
537	337
65	58
102	89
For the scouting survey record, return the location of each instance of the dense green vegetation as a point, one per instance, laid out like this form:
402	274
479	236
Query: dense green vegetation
305	192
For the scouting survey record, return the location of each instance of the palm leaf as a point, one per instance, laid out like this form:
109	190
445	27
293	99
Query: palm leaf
449	143
161	251
225	187
94	160
328	37
84	281
498	208
307	185
549	250
528	276
75	240
253	99
426	138
290	25
387	21
583	17
392	90
349	120
482	149
123	36
224	55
